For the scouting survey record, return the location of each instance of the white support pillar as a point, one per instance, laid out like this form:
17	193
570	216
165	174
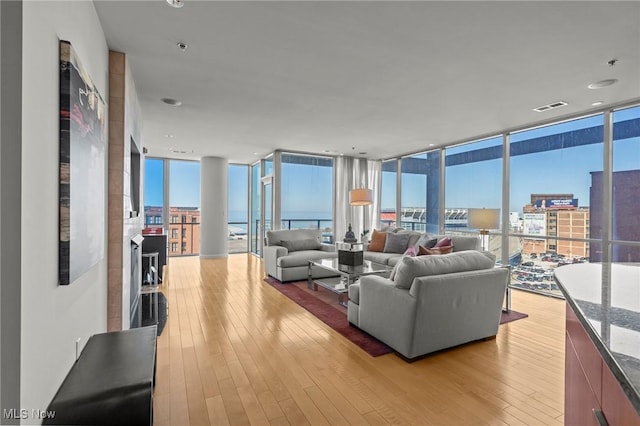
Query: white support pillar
213	212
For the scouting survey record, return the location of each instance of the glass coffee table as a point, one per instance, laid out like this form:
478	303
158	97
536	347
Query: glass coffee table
347	275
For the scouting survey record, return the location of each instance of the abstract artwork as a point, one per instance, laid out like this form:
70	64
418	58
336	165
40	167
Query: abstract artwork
82	169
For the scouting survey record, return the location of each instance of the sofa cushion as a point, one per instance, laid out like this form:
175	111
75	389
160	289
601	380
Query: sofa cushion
383	258
302	258
412	267
465	242
396	243
299	245
378	239
275	237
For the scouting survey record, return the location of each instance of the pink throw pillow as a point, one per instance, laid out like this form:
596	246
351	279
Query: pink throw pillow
410	251
446	241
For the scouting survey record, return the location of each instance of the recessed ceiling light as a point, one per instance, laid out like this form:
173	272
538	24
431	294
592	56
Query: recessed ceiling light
172	102
182	46
431	144
170	135
603	83
175	3
597	103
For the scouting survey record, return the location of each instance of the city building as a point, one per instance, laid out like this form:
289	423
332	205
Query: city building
556	215
626	214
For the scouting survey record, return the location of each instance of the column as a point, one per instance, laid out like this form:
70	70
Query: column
213	207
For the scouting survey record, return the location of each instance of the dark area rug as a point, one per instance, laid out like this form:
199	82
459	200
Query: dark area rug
324	305
511	316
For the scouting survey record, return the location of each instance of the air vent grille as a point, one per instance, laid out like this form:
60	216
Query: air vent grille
553	105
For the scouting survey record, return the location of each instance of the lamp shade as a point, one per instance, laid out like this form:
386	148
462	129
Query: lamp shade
484	218
360	197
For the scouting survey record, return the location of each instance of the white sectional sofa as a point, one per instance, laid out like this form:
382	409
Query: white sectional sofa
432	302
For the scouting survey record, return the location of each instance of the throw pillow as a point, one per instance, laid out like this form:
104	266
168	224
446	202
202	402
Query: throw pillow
303	244
396	243
426	240
378	239
414	236
424	251
446	241
410	251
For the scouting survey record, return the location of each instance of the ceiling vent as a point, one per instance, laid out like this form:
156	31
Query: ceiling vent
550	106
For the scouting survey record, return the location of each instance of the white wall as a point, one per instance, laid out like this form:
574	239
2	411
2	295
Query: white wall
10	170
53	316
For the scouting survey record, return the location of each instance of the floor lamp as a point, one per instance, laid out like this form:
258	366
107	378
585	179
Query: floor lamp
361	197
483	220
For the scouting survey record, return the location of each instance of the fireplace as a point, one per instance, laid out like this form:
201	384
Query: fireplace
135	280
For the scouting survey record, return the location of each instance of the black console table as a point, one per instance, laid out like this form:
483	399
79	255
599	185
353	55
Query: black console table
111	382
155	244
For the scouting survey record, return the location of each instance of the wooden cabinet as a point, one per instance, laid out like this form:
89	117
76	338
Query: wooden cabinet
590	386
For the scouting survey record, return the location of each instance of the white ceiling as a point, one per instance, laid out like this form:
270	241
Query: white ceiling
385	77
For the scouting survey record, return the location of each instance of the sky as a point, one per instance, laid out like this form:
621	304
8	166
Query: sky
308	189
559	171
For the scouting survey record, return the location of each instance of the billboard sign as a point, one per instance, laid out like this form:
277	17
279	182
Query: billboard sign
535	224
557	204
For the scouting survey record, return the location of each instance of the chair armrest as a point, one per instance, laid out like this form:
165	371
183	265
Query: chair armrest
328	248
270	258
387	312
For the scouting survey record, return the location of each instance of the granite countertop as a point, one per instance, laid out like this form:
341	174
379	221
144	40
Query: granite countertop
606	300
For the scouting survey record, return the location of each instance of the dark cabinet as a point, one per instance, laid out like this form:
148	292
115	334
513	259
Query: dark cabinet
155	244
591	389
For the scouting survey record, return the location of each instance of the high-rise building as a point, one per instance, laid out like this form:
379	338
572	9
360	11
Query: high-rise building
625	212
556	215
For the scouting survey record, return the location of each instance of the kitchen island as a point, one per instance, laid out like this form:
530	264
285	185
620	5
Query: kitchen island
602	361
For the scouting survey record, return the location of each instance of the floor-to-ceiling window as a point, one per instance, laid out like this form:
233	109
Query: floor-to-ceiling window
420	180
153	195
413	190
307	193
388	191
473	179
238	207
177	216
184	206
551	192
626	186
255	209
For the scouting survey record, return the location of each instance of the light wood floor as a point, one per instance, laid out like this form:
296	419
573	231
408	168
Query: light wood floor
236	351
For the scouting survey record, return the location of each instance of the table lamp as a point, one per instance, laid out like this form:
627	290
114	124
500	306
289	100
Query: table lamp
483	220
361	197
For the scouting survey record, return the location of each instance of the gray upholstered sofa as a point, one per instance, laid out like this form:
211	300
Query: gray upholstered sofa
287	253
459	242
432	302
